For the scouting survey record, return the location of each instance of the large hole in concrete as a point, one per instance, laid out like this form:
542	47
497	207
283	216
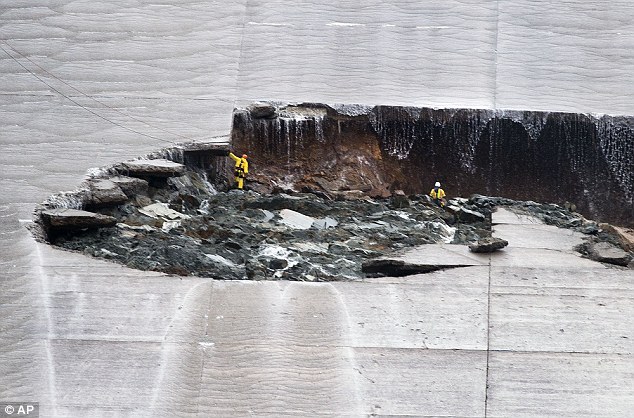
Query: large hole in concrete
333	187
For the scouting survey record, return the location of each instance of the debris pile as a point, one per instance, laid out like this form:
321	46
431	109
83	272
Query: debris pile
164	216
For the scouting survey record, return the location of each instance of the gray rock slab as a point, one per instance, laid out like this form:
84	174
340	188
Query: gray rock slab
467	215
262	110
325	223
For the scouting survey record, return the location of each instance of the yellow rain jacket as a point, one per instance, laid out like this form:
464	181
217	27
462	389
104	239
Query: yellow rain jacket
437	194
240	170
242	165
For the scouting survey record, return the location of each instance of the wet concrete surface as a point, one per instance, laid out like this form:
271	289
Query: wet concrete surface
91	338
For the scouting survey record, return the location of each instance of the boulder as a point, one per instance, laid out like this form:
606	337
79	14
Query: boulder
625	235
488	245
605	252
131	186
453	209
105	193
278	264
470	216
151	168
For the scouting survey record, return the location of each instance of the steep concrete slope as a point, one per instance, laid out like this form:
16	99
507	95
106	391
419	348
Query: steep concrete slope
88	83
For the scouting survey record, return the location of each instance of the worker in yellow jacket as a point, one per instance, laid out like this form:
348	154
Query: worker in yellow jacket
241	169
438	194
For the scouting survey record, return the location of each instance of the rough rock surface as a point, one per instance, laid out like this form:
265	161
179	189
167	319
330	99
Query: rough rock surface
488	245
183	225
131	186
606	252
104	193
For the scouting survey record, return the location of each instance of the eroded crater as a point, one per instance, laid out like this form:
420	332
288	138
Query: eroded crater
325	199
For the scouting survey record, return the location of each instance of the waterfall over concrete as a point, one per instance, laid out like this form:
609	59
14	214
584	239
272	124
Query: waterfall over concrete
527	155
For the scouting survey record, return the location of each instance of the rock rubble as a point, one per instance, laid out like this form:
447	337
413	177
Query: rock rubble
168	218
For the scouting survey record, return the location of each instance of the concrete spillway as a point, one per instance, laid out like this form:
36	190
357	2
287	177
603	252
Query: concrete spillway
90	83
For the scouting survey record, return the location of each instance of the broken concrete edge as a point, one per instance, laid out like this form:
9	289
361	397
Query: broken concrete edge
81	198
53	222
386	267
273	108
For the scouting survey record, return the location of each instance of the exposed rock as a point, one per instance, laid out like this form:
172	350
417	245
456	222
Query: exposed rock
162	210
278	264
182	225
350	195
141	201
380	193
399	200
469	216
131	186
151	168
324	223
453	208
262	110
488	245
105	193
608	253
625	235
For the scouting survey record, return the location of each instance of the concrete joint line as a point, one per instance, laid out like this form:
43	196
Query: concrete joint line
486	387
